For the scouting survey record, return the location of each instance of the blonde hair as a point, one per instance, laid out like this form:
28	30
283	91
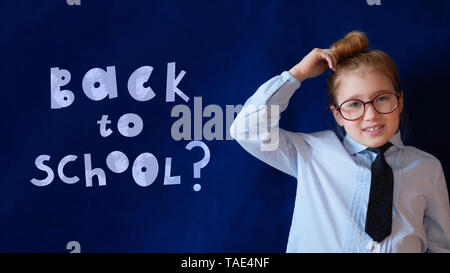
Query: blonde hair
352	53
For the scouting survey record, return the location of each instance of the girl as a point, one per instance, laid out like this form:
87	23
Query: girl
368	193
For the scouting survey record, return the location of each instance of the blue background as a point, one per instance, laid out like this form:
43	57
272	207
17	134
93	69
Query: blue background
228	49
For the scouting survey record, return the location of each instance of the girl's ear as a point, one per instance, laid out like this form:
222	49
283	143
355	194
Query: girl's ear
400	102
337	116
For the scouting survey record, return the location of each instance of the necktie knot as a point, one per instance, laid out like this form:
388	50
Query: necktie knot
382	149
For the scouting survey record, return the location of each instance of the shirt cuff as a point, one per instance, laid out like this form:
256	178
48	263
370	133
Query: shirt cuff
287	76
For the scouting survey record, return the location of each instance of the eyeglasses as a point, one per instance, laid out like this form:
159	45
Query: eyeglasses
354	109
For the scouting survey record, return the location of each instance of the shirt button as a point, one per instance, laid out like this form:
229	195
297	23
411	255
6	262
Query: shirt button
374	247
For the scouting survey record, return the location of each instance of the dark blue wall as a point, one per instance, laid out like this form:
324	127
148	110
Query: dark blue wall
227	48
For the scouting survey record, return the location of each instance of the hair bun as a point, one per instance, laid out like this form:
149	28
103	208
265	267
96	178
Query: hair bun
353	43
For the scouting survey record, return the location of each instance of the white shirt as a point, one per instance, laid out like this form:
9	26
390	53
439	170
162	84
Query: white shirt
334	183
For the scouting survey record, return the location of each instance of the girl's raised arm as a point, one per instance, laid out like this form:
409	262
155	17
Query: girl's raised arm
256	126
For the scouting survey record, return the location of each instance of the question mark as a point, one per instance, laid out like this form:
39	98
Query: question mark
202	163
74	246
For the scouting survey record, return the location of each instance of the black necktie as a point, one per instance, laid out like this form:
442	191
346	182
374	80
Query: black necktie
379	210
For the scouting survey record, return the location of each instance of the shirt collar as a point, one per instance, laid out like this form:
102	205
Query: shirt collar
354	147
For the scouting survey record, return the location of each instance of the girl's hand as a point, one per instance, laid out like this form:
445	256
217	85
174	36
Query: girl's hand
314	64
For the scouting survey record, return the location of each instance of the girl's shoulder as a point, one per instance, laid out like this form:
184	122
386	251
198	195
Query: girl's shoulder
416	154
326	141
326	136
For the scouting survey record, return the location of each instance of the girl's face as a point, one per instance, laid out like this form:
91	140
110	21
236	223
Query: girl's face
365	84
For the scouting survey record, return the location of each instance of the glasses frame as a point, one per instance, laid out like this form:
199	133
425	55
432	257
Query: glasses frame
371	102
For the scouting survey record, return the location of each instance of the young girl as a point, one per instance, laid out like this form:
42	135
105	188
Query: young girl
369	193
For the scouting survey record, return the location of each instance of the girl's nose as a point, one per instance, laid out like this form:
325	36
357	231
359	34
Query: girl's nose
370	112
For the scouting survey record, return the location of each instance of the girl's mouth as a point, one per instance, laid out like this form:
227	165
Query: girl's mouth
372	131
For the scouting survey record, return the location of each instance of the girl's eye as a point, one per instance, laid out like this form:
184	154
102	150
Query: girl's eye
382	98
354	104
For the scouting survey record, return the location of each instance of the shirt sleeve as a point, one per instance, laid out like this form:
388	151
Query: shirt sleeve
256	129
437	216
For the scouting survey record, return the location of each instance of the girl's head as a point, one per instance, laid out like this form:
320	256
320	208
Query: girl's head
361	76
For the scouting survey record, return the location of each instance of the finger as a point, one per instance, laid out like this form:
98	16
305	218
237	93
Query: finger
333	55
328	57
